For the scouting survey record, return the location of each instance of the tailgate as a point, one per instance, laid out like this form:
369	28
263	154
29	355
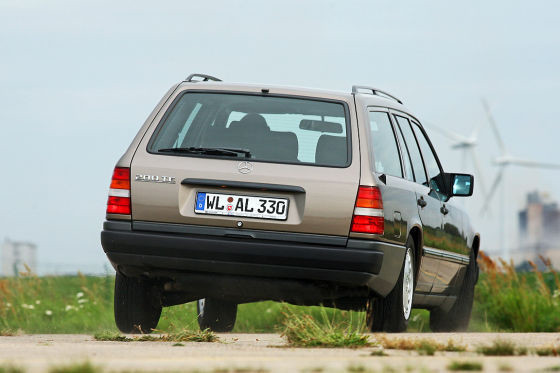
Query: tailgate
292	171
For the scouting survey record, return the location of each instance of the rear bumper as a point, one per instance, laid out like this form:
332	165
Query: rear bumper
155	249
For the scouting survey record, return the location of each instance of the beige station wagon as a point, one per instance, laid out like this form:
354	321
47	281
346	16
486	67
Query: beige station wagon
237	193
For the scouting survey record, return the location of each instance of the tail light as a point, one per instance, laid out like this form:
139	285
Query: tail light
119	192
368	212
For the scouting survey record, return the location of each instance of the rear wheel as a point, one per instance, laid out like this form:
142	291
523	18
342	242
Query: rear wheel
458	317
216	315
391	314
137	307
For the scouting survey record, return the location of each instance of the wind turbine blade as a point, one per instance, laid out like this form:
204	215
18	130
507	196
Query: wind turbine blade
494	127
493	189
534	164
450	135
477	169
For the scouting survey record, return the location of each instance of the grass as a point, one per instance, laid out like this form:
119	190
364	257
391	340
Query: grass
548	350
10	369
424	346
465	366
85	367
176	336
504	301
307	331
502	347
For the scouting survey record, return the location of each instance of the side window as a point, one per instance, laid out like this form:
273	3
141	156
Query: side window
412	146
432	166
385	150
405	154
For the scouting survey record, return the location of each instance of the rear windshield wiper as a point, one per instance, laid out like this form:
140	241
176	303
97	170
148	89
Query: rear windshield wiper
209	151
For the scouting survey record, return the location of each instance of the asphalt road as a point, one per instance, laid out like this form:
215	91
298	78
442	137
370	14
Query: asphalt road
267	352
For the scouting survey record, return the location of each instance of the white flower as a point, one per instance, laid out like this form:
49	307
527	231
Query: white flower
82	301
79	295
68	308
28	306
37	302
48	312
556	294
8	304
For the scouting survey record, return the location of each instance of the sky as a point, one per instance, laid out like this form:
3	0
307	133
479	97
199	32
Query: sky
78	79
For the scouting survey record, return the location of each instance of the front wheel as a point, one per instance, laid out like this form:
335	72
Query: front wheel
458	317
137	308
391	314
216	315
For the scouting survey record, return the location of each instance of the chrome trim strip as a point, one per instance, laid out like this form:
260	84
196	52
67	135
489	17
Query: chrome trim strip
459	258
363	211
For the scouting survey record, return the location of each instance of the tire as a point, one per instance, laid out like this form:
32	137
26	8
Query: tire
391	314
137	307
458	317
216	315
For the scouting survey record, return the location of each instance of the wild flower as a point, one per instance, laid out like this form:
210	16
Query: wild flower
80	301
37	302
79	294
8	305
69	308
28	306
48	312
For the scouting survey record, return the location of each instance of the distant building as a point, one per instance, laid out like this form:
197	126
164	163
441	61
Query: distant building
539	229
17	255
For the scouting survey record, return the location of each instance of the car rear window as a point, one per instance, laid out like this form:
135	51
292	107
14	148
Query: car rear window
261	128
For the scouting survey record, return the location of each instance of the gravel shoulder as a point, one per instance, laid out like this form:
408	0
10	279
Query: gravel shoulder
36	353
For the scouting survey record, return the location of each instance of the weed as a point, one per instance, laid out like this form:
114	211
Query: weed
305	331
357	369
11	369
512	301
423	346
548	350
502	347
378	352
465	366
505	368
85	367
181	336
111	336
554	368
178	344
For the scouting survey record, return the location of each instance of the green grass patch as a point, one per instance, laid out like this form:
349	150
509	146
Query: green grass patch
11	369
548	350
176	336
502	347
303	330
465	366
424	346
85	367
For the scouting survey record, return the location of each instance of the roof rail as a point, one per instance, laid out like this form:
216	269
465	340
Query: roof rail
374	91
204	77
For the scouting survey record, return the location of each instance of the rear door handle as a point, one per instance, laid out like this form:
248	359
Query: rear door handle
421	202
444	210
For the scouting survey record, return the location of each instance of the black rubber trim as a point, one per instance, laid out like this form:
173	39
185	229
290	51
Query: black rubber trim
241	233
115	225
244	185
147	262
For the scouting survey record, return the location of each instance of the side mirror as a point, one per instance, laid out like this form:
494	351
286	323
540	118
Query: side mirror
460	185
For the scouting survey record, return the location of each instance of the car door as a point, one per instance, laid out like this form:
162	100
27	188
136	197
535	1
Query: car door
445	248
428	205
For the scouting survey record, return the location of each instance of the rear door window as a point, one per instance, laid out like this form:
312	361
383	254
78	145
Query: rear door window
266	128
415	156
384	144
432	166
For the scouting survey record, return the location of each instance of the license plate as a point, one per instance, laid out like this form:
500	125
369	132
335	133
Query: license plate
241	206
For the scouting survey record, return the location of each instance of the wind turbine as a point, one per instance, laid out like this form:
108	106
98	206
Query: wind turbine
466	144
504	160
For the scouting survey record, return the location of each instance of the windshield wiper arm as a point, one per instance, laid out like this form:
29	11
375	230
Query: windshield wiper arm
209	151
